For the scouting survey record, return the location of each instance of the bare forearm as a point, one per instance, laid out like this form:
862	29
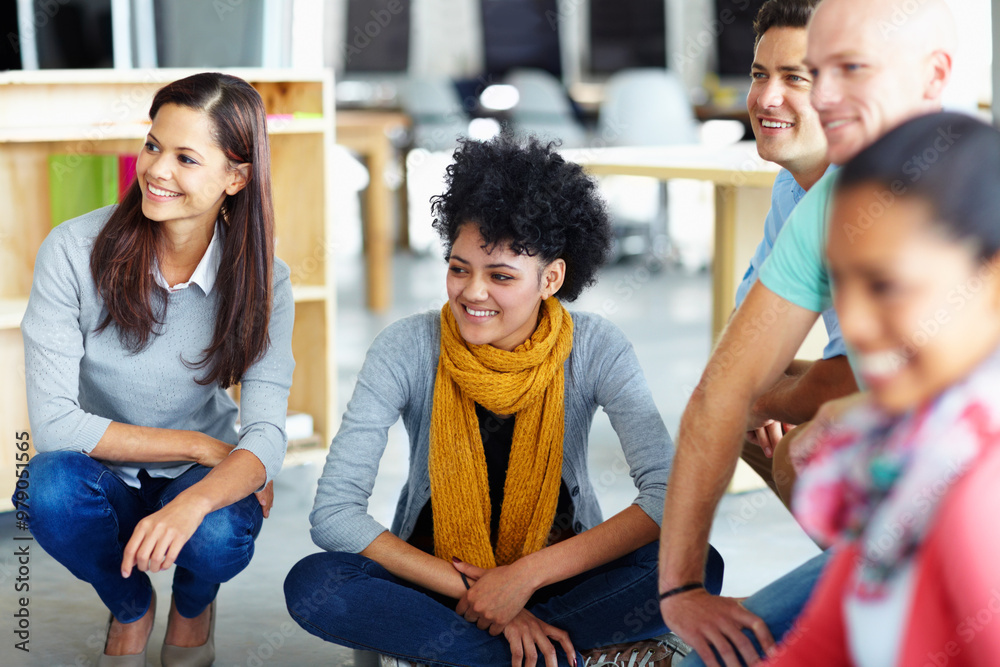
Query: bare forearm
620	535
125	442
794	399
756	347
698	480
236	477
411	564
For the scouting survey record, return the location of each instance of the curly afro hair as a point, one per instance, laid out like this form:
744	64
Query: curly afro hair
524	195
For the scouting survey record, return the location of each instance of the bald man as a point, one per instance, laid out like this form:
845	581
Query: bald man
874	66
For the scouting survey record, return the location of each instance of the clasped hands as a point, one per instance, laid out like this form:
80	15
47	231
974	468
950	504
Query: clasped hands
495	602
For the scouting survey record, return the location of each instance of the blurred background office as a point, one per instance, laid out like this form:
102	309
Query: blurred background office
588	73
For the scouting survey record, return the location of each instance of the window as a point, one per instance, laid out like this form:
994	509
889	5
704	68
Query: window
521	33
626	34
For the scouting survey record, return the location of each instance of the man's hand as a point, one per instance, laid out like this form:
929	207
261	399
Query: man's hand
707	621
496	597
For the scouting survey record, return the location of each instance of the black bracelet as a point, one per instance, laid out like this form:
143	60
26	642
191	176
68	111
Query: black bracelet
465	580
694	585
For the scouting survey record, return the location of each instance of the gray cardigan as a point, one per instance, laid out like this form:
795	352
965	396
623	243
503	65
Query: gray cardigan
397	378
80	381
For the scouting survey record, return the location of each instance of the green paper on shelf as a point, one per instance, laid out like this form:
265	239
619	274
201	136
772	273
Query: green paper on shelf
79	184
306	115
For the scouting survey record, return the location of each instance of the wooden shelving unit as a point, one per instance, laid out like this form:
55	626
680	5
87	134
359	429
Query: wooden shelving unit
97	111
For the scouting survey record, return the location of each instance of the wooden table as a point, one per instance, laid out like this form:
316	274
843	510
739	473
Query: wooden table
742	182
367	133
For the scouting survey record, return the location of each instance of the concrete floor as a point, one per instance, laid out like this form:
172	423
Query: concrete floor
666	315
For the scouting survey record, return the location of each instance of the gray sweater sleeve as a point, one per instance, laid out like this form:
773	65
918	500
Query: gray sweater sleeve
624	394
265	385
340	519
53	347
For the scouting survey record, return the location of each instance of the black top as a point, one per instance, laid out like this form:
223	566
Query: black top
498	437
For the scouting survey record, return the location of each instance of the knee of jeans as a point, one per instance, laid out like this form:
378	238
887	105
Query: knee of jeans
647	557
315	583
55	482
223	544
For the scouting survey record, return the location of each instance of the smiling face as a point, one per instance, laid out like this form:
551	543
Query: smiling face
915	329
183	174
495	296
786	126
867	79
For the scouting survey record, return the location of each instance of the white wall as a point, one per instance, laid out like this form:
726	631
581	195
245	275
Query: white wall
972	72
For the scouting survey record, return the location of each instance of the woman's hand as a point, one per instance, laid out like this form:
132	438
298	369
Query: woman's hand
266	498
529	636
767	436
496	597
211	452
159	538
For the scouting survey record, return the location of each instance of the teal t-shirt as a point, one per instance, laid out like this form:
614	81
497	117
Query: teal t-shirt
796	269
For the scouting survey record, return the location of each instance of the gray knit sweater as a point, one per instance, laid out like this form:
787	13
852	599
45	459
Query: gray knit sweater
397	379
80	381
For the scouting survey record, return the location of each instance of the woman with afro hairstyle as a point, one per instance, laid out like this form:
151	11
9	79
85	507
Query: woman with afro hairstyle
498	554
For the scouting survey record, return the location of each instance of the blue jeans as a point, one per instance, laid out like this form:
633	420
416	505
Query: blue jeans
83	515
779	603
350	600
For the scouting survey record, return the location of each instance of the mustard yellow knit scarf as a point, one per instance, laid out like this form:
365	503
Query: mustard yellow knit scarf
527	382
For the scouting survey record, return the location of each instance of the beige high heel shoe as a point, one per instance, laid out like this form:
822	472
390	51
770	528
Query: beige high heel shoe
194	656
133	659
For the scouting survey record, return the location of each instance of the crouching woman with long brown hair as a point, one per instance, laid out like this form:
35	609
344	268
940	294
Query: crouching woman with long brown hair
140	316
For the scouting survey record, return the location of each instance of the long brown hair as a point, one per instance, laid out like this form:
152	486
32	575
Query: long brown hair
125	250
